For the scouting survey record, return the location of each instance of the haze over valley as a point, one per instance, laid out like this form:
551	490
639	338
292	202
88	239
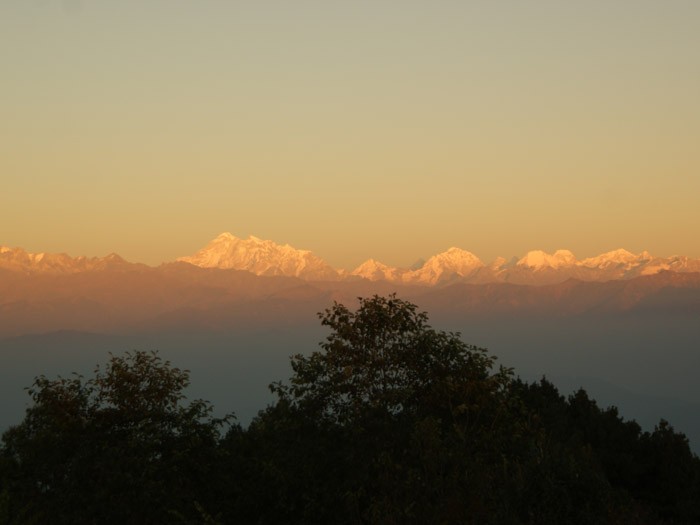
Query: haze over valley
622	325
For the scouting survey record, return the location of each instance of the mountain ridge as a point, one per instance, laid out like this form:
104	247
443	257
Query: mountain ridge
267	258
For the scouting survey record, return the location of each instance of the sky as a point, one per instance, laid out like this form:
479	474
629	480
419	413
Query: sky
384	129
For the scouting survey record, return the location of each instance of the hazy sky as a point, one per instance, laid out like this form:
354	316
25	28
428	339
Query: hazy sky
356	129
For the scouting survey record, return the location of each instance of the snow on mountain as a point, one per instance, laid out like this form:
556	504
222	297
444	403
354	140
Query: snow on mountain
19	260
613	265
534	268
453	264
537	260
681	263
264	257
261	257
377	271
616	258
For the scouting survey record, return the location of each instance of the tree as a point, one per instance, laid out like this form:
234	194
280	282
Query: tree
122	447
385	359
420	425
392	421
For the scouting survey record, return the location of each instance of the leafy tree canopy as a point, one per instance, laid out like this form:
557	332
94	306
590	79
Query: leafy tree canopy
121	447
385	357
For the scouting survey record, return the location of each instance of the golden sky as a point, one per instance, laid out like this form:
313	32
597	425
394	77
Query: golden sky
385	129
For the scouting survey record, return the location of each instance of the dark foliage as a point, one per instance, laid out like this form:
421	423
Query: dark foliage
389	422
118	448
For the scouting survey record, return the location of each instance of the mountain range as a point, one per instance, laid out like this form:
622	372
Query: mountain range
267	258
234	282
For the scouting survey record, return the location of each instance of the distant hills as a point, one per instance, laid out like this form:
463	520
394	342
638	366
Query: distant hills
267	258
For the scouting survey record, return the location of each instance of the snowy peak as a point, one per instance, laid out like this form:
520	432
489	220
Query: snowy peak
455	260
539	260
265	257
453	264
537	267
681	263
619	257
377	271
261	257
19	260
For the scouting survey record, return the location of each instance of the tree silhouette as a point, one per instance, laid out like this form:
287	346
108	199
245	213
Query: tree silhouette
420	425
121	447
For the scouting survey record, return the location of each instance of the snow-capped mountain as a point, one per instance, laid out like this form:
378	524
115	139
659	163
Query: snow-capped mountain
267	258
19	260
376	271
261	257
454	264
536	267
538	260
681	263
617	259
